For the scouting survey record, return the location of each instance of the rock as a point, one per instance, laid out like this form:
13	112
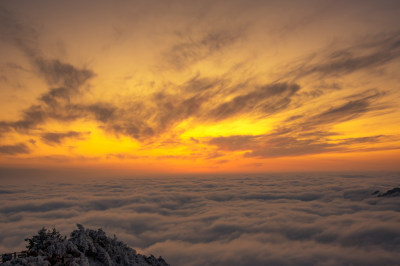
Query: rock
395	192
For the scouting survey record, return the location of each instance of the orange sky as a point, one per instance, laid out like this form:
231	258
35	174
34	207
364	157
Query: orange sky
211	86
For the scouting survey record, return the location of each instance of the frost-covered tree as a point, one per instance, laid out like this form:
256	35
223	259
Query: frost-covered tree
46	242
85	247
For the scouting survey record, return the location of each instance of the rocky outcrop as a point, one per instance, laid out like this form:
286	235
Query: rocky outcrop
85	247
395	192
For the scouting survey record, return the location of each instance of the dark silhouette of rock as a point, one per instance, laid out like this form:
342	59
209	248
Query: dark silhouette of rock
395	192
85	247
7	257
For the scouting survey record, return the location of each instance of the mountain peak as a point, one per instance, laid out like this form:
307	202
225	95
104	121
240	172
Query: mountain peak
85	247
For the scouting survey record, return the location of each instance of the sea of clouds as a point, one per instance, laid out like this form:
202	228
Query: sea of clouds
265	219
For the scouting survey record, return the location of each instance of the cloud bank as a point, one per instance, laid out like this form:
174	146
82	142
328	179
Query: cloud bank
293	219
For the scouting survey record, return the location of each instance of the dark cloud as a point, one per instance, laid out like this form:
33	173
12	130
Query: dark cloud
58	138
290	146
132	127
18	33
136	119
64	79
291	143
102	112
379	51
293	118
5	192
195	48
233	143
25	37
354	107
370	139
163	110
61	102
199	84
171	109
62	74
51	97
56	103
19	148
45	207
143	120
312	133
266	100
346	112
367	54
32	116
309	135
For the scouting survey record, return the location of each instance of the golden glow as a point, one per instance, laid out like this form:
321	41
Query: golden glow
241	126
193	90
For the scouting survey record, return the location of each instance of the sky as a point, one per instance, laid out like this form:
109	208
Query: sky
150	87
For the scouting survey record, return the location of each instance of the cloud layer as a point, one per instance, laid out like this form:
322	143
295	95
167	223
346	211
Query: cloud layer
293	219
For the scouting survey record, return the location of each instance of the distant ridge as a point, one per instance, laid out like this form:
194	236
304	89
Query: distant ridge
85	247
390	193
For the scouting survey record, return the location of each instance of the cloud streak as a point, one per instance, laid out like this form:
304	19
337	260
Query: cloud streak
266	100
367	54
58	138
19	148
196	48
281	145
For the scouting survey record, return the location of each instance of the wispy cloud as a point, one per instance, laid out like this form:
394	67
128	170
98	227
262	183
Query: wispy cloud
367	54
64	79
266	100
292	144
354	107
57	138
19	148
194	47
232	143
